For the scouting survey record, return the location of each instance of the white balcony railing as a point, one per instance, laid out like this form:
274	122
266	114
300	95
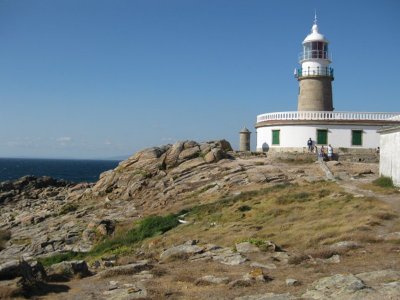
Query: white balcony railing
323	71
329	115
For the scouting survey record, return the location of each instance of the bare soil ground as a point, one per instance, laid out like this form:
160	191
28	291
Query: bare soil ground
177	279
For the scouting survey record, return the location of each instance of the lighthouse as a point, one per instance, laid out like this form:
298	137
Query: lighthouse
349	131
315	75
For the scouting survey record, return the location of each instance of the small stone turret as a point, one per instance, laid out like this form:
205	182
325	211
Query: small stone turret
244	143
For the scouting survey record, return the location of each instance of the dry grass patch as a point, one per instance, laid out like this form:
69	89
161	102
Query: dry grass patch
382	185
300	216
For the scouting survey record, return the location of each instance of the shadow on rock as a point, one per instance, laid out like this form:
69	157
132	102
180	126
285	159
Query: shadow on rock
42	289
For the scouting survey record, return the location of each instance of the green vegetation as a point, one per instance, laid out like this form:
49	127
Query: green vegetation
384	182
5	235
60	257
295	197
148	227
67	208
304	216
122	242
244	208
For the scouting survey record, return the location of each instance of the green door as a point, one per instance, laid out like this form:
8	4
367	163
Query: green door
356	137
322	136
275	137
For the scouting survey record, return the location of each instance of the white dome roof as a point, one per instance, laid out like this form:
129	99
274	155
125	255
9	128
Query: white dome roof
315	36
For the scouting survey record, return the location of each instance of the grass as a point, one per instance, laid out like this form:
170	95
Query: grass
60	257
148	227
292	198
384	182
123	242
294	216
301	216
383	185
67	208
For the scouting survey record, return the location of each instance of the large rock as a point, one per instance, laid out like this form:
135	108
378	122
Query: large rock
29	271
69	269
129	269
10	270
211	279
380	276
246	247
268	296
181	251
173	154
335	287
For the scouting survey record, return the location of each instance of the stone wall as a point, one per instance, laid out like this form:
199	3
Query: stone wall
340	154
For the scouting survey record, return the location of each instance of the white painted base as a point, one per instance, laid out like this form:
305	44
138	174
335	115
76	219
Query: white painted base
389	156
296	136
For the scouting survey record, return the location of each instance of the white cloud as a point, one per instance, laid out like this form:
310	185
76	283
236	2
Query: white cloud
64	140
168	139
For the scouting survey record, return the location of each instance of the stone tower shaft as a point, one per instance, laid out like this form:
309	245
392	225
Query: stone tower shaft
315	75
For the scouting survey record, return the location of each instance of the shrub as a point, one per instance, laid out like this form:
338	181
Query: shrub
244	208
298	259
383	181
67	208
323	193
5	235
60	257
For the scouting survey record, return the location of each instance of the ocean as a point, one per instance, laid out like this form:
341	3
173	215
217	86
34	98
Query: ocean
67	169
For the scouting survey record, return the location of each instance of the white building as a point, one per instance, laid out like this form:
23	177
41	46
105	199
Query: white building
315	117
389	164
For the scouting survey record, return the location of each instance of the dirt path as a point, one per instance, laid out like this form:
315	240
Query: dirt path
356	187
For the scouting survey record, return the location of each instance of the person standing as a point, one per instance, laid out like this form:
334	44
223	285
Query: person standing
309	144
322	153
330	152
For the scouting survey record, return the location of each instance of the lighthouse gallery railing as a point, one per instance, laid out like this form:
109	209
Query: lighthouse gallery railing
329	115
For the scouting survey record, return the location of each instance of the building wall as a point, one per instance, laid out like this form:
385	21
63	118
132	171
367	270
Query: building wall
296	136
390	155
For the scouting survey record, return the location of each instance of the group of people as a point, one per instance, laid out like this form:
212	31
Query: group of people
323	153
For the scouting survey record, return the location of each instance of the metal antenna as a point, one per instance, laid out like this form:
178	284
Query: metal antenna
315	16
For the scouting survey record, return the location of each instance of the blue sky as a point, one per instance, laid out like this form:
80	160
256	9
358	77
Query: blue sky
99	79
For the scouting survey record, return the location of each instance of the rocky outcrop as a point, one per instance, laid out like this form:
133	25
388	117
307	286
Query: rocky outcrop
68	269
383	284
151	167
31	187
17	277
46	216
129	269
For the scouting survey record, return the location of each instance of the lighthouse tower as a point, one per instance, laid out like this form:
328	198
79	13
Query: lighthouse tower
315	75
288	131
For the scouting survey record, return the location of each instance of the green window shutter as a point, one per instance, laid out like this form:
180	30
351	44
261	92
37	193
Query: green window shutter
275	137
322	136
356	137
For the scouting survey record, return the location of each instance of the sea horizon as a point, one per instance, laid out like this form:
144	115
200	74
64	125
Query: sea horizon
73	170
